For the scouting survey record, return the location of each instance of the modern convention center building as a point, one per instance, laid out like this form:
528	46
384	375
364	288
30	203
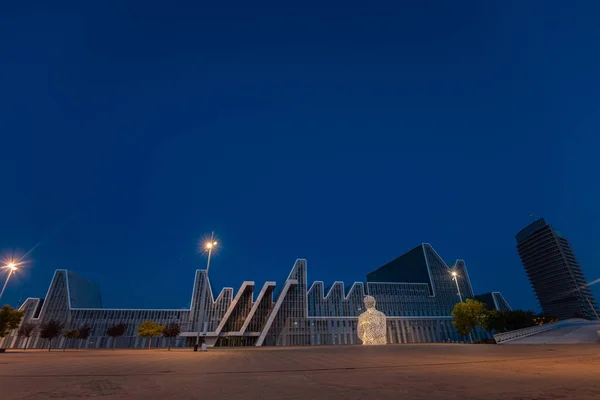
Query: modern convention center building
416	292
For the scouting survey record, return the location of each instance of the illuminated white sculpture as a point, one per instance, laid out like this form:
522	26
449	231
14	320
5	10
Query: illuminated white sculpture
371	324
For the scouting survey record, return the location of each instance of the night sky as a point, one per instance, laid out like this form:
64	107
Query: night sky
344	133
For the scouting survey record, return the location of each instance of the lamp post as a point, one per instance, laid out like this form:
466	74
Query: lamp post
455	279
209	246
11	269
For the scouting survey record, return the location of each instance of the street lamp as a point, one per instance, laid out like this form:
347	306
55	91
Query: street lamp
208	246
12	267
455	279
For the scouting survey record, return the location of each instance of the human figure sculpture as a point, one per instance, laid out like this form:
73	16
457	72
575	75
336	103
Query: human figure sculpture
371	324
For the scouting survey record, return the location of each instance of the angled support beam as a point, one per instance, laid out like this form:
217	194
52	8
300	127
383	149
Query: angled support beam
275	310
256	305
238	296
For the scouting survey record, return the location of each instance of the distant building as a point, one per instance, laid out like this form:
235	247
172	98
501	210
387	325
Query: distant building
494	301
554	272
415	291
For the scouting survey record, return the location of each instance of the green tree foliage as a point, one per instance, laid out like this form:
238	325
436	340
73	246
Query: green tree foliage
69	335
84	333
50	330
170	331
116	331
9	320
493	321
150	329
26	330
519	319
467	316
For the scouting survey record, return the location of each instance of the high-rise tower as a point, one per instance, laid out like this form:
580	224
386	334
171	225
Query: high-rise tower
554	272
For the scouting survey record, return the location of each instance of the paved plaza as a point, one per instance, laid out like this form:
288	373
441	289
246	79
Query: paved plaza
430	372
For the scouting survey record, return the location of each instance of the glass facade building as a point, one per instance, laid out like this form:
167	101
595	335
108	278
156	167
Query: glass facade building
415	291
494	301
554	272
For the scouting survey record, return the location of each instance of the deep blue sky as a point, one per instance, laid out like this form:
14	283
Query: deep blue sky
343	133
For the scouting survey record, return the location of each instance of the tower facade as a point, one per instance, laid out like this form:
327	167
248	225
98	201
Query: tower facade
554	272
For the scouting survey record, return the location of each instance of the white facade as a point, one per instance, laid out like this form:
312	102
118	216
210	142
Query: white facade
416	312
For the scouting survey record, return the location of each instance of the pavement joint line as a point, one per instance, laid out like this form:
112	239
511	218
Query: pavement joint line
332	369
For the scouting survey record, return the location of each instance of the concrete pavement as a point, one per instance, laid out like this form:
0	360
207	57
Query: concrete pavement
435	371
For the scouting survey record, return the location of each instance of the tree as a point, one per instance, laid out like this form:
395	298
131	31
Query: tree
467	316
170	331
26	330
50	330
115	331
493	321
69	335
150	329
84	333
519	319
9	320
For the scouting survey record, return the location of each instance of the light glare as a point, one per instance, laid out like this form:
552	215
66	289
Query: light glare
11	265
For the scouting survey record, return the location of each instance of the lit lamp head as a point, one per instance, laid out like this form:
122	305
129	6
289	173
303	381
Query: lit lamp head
11	266
211	245
454	274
